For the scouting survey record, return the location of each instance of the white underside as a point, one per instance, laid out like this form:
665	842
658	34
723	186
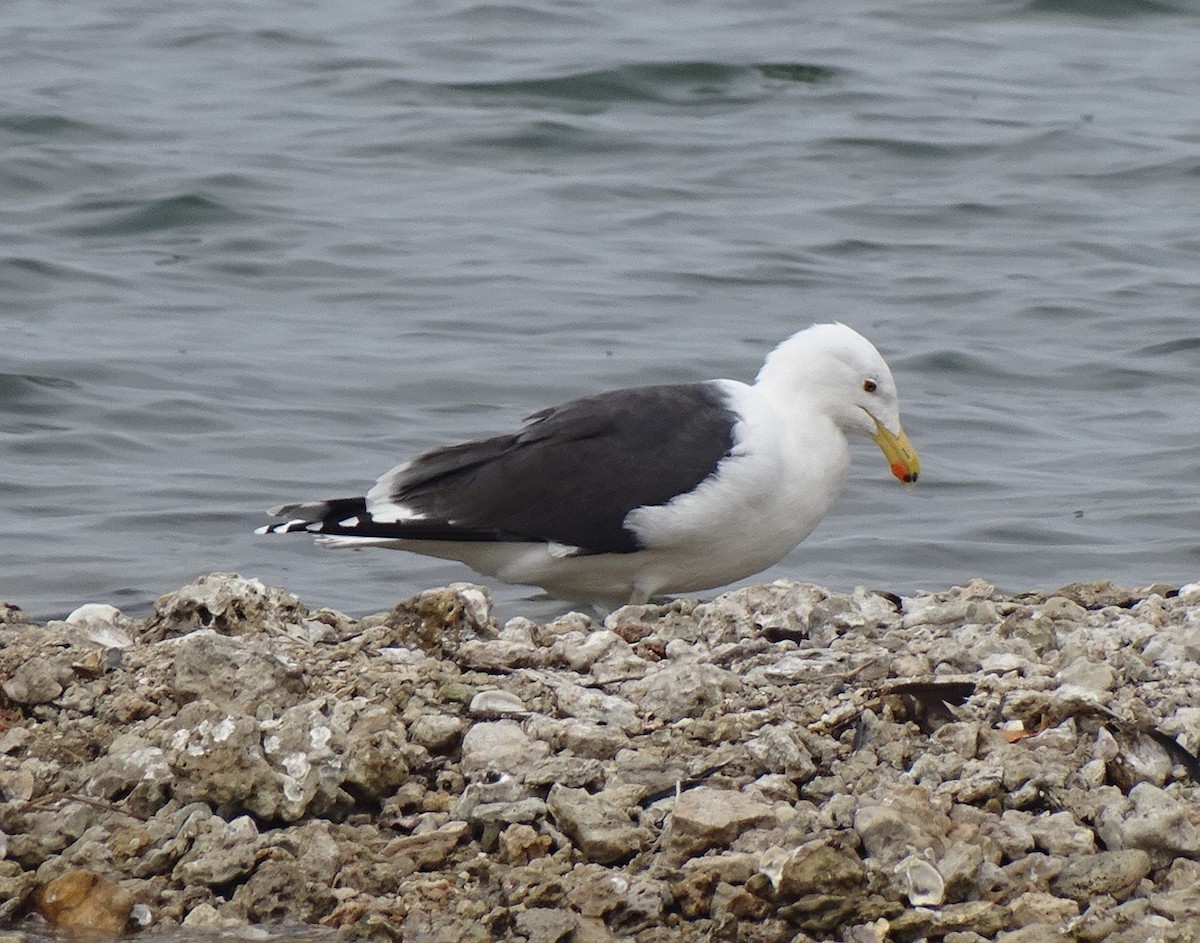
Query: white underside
767	496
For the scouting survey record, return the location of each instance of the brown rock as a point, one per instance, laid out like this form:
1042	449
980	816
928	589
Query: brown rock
1117	873
825	913
739	902
521	843
1037	908
85	905
430	849
821	869
694	894
980	916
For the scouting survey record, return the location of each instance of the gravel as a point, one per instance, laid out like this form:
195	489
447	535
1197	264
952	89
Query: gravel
784	763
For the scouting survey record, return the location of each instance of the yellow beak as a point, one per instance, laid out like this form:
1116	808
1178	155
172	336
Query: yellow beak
899	452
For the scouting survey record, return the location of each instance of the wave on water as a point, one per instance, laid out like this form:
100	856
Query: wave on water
1109	9
56	127
675	83
15	385
25	275
129	217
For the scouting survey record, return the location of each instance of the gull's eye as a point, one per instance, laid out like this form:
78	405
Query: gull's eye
870	385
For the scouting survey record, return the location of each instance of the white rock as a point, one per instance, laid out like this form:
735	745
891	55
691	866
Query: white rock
772	863
776	749
1158	823
1000	662
498	655
587	704
922	883
1092	676
683	690
519	629
476	602
581	651
102	625
501	746
1060	834
95	613
398	655
436	732
493	704
797	667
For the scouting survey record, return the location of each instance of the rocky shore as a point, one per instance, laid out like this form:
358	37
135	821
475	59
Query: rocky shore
782	764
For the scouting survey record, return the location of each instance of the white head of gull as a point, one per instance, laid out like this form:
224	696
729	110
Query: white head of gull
633	493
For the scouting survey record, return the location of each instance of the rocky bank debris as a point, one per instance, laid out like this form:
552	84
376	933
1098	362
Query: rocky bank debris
784	763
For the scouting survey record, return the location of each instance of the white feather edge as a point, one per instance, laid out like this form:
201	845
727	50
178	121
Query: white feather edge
380	506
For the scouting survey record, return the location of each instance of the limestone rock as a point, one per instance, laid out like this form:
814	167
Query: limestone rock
706	818
217	758
1178	898
46	832
499	655
779	751
1116	873
546	925
239	672
306	748
227	604
276	769
373	747
602	831
134	769
574	700
818	868
1158	823
581	650
221	852
1060	834
37	681
596	741
1043	910
982	917
438	733
444	620
520	844
684	690
500	746
890	832
16	886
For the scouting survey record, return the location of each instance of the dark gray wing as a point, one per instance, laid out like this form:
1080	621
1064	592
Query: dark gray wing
572	474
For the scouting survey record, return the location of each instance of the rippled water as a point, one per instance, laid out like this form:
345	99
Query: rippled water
257	253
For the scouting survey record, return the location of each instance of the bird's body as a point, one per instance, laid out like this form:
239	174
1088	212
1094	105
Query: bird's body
621	496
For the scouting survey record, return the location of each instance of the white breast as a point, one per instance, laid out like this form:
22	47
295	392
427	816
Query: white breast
780	479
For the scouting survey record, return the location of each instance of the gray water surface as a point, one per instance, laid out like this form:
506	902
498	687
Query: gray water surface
250	254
